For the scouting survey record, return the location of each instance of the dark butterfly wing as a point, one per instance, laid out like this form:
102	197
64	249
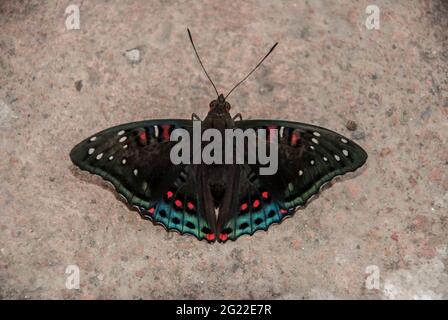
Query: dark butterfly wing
254	207
135	158
308	157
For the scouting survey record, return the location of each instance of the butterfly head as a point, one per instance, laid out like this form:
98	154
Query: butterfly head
220	105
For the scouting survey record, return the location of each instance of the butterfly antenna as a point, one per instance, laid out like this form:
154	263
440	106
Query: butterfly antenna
200	62
259	63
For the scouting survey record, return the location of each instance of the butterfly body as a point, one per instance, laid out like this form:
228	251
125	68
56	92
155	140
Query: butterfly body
216	202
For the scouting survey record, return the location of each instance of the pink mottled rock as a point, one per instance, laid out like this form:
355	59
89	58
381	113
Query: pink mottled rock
327	69
385	151
352	189
394	236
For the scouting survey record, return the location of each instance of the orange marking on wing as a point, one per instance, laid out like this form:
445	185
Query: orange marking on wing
270	131
166	131
295	136
223	237
210	237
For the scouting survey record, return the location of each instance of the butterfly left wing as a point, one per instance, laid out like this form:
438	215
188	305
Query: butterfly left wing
308	157
135	158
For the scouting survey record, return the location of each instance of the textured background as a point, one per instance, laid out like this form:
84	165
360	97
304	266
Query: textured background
327	70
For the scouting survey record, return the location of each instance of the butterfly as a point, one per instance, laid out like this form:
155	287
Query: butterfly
216	202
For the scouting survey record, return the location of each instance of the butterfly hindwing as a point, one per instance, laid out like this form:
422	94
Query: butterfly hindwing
308	157
135	158
255	209
181	208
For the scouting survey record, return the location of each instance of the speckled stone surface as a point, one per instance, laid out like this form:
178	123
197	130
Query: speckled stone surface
58	86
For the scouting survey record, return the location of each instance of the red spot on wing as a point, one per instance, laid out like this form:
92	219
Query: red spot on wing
244	206
223	237
265	194
295	136
210	237
142	136
283	211
270	128
178	203
256	204
169	194
151	211
190	206
166	131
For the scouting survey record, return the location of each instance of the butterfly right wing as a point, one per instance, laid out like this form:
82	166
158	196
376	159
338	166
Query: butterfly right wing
308	157
135	158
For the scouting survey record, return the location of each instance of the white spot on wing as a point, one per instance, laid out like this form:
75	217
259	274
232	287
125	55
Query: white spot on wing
98	157
325	159
91	150
111	158
312	162
122	139
344	140
92	139
311	147
282	131
123	161
125	146
156	131
345	152
120	133
315	141
300	172
337	157
135	172
317	134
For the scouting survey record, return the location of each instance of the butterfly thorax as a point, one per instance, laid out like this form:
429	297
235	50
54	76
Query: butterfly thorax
218	116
